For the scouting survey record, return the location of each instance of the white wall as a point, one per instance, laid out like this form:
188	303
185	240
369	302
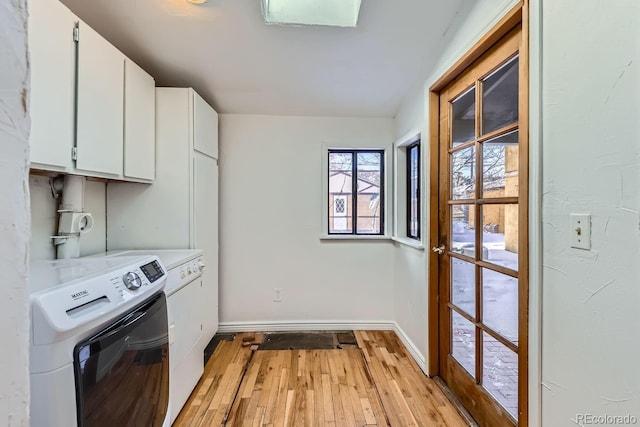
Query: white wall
14	214
591	164
411	269
44	218
44	222
95	203
271	214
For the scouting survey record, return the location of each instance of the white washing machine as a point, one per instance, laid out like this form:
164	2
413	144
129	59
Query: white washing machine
99	342
186	311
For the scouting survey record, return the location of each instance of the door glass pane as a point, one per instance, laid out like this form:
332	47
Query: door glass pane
500	235
500	373
463	285
463	236
340	197
463	123
463	174
463	345
500	166
369	200
500	97
500	303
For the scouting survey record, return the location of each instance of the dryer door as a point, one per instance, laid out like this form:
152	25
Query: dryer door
122	373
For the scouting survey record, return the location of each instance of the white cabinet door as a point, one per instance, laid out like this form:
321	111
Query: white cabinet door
100	104
205	127
205	195
185	359
139	123
52	61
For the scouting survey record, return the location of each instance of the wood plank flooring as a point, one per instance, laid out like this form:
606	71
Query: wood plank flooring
211	400
408	396
315	387
377	384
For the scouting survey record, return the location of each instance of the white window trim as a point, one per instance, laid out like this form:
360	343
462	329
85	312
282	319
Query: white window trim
388	193
400	190
408	241
355	237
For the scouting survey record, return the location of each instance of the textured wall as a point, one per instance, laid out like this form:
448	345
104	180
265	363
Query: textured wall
591	164
14	214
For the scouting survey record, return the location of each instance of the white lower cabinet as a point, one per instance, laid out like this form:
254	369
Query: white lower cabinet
185	357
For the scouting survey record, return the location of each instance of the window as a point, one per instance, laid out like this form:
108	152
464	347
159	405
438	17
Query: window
356	206
413	190
407	197
337	13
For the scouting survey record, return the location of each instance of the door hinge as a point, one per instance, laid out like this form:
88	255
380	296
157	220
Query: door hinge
74	153
76	33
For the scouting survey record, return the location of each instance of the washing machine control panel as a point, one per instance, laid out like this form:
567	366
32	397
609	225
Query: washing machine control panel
153	271
132	281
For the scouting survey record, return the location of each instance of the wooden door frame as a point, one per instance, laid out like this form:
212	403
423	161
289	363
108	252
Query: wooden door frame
519	14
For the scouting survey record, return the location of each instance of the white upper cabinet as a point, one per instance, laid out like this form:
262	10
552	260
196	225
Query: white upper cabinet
52	58
139	123
100	104
87	97
205	129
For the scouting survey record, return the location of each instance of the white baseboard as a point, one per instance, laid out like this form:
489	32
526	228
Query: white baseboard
322	325
315	325
413	349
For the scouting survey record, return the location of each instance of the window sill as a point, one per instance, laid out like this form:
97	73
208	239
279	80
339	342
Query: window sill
413	243
354	237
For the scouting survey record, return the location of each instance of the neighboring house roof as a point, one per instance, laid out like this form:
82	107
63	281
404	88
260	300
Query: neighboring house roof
342	180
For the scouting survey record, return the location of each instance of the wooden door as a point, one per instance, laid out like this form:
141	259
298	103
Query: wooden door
482	266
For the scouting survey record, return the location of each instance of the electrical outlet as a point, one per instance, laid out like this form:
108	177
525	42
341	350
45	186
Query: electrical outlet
277	294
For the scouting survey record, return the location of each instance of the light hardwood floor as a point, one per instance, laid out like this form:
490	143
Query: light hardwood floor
377	384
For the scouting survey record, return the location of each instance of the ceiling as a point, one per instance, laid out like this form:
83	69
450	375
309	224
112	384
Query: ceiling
240	65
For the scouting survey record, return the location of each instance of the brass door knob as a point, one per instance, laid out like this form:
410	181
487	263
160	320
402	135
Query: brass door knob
439	250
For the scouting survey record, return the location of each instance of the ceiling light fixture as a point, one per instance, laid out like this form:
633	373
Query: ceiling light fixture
197	1
335	13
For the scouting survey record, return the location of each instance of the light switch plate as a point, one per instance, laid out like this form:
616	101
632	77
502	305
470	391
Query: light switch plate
580	231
